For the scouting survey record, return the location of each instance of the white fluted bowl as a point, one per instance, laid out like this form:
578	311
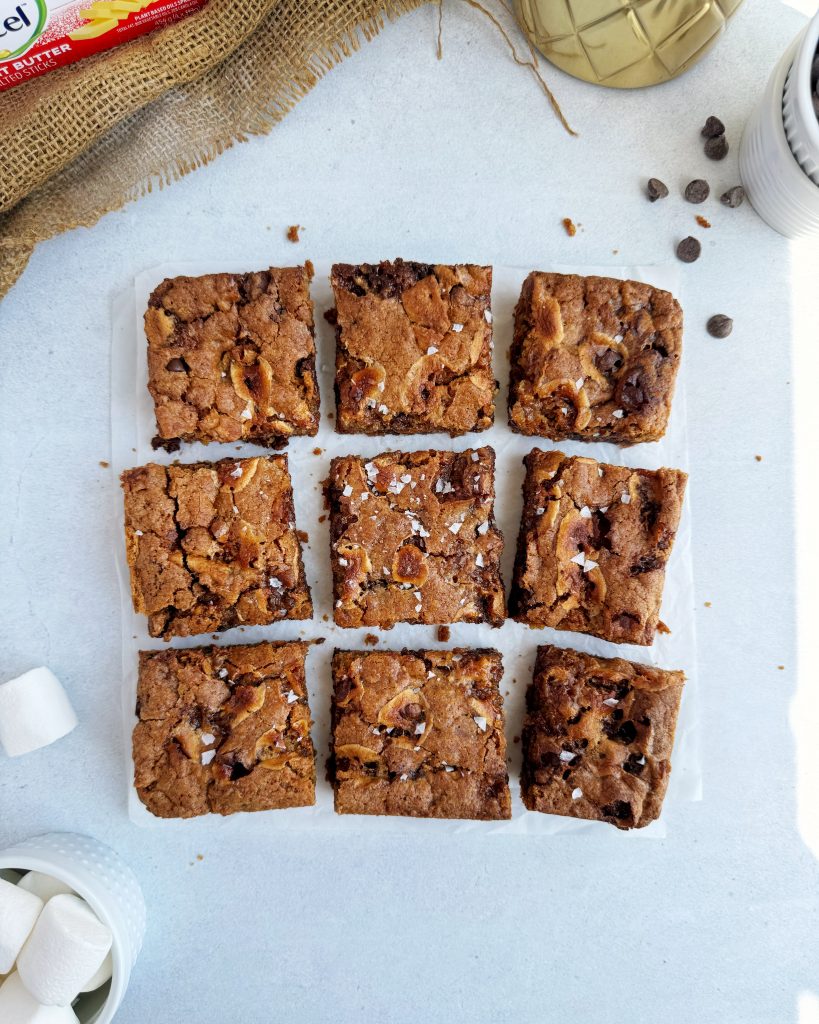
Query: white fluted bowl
779	152
109	887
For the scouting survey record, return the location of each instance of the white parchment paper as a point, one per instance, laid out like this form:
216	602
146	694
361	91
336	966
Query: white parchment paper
133	426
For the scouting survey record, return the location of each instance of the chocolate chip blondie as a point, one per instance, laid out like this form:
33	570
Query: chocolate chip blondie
593	545
212	545
597	737
413	539
232	357
413	348
223	729
419	733
593	358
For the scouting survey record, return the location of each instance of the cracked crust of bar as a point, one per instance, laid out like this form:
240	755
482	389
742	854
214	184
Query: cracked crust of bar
623	338
223	729
213	545
419	733
232	357
573	505
597	737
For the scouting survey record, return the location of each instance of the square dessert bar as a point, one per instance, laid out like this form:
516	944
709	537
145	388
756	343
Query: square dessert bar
593	545
419	733
413	348
593	358
223	729
212	545
413	539
597	737
232	357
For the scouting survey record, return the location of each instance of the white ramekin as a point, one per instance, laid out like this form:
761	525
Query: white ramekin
776	166
110	888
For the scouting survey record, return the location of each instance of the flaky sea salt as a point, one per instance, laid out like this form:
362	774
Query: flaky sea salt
480	721
237	472
567	755
611	702
585	512
579	383
579	558
292	697
431	350
419	728
483	528
457	328
625	499
590	564
348	490
618	414
577	793
207	756
487	315
479	560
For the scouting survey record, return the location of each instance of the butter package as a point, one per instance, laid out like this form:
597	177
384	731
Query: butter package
37	36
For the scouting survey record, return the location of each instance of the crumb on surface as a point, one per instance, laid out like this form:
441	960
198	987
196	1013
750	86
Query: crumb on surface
758	458
331	416
104	464
322	518
615	252
200	856
780	667
703	221
662	628
371	639
570	227
443	634
293	233
707	604
325	617
516	739
318	451
303	536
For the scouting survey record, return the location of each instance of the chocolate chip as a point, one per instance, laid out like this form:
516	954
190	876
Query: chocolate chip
176	366
689	250
656	189
712	128
697	191
620	809
634	764
632	395
716	148
720	326
734	197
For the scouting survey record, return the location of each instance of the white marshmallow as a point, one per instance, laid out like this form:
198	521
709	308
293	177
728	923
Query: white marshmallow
106	969
34	711
67	946
44	886
18	1006
19	911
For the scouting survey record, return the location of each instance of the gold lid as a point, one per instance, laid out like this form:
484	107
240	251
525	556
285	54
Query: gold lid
624	44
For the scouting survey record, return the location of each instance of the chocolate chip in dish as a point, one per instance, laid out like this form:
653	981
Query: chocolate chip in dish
232	357
593	359
419	733
223	729
593	545
413	539
212	545
597	737
413	348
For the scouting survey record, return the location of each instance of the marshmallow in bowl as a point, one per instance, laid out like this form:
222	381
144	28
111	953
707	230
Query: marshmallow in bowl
34	711
100	977
18	1006
44	886
64	951
19	911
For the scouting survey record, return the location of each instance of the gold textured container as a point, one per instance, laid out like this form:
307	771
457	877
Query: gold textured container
624	44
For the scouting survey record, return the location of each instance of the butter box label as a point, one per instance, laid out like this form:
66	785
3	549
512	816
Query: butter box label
37	36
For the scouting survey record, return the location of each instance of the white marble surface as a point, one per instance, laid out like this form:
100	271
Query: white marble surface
396	153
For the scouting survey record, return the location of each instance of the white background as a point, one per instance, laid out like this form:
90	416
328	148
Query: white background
398	154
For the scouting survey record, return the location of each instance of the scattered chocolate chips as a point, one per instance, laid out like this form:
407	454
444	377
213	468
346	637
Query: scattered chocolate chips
734	197
720	326
712	128
656	189
716	148
697	191
689	250
176	366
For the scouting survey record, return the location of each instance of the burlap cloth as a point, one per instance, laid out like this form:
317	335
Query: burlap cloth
86	139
